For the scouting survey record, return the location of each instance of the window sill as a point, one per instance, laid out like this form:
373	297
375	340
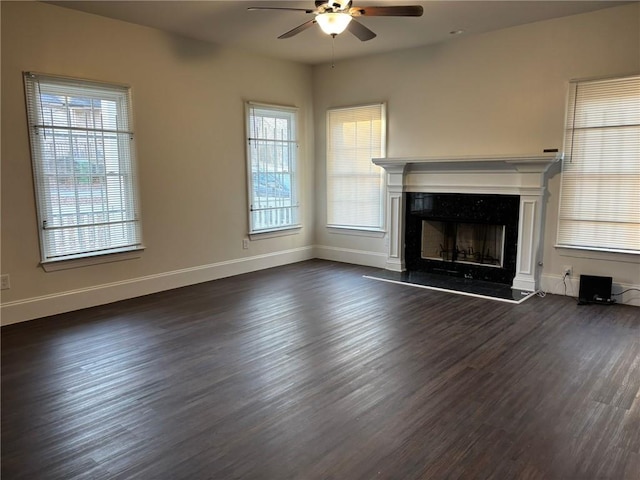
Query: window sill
281	232
610	256
358	232
66	264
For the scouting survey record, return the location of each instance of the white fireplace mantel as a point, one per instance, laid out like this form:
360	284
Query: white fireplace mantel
522	175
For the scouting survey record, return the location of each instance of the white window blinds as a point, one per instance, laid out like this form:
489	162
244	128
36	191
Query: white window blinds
354	184
272	151
600	194
83	164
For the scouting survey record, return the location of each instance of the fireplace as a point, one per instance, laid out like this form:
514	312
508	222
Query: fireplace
466	235
484	212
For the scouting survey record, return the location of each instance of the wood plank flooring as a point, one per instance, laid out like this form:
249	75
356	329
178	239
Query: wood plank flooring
310	371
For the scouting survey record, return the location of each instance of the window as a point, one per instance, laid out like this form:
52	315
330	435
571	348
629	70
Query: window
272	152
600	193
355	186
83	163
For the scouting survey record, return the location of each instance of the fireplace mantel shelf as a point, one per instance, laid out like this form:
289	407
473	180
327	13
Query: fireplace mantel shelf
522	163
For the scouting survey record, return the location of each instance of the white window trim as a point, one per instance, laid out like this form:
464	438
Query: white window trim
593	252
95	257
255	234
370	231
609	256
282	232
357	232
69	263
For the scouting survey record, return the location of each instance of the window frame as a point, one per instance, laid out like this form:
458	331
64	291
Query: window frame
292	114
365	230
593	155
126	172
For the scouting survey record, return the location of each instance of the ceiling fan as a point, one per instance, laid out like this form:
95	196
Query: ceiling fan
336	16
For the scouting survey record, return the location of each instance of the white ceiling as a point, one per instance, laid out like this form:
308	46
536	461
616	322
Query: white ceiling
229	23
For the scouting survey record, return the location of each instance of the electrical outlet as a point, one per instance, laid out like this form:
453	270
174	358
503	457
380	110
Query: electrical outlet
567	270
4	282
245	243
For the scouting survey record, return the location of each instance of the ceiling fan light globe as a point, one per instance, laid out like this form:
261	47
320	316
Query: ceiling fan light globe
333	23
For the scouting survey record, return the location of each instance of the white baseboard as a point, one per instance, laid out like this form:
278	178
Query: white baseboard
553	284
347	255
37	307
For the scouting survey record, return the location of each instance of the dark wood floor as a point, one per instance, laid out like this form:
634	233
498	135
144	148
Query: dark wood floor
310	371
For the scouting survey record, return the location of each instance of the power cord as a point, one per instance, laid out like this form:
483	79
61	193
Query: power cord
564	282
543	293
625	291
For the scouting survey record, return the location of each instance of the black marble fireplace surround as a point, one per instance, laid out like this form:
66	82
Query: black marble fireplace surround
462	208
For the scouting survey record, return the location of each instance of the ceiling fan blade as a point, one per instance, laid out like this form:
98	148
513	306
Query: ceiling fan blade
360	31
298	29
395	11
305	10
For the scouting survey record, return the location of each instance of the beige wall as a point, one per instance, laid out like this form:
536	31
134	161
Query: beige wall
498	93
189	123
502	92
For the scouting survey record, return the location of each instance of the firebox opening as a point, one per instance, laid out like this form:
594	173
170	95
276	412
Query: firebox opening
471	243
471	236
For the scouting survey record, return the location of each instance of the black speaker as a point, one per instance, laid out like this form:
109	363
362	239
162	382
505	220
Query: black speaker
595	289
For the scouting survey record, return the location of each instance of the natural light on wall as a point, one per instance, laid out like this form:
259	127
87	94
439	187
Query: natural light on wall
600	193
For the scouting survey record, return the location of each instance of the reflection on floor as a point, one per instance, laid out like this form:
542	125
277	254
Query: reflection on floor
462	286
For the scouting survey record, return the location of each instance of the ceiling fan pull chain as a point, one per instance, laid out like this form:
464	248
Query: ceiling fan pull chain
333	50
